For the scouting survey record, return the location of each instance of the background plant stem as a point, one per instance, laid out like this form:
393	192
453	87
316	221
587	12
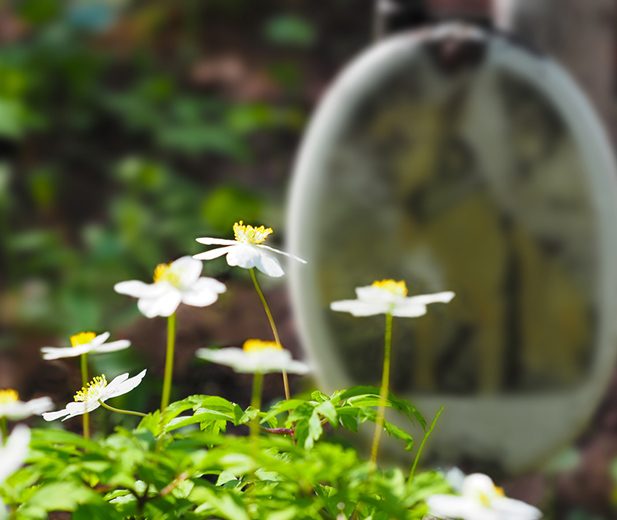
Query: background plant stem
258	380
272	325
169	361
84	382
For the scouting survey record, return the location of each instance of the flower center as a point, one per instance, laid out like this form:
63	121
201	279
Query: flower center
486	500
91	391
392	286
82	338
163	273
8	396
255	345
251	235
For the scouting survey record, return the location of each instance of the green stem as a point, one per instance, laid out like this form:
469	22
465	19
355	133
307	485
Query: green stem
272	325
258	380
427	434
120	410
4	428
169	361
84	382
383	394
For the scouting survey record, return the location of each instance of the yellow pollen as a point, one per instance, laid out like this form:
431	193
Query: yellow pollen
82	338
163	273
89	391
251	235
255	345
8	396
499	491
399	288
484	499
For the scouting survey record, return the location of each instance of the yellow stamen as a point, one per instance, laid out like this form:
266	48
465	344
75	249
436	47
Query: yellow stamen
8	396
91	390
251	235
499	491
395	287
163	273
255	345
484	500
82	338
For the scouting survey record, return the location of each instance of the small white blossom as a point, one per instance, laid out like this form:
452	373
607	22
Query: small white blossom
15	410
174	283
14	451
389	297
85	343
247	250
97	390
480	500
256	356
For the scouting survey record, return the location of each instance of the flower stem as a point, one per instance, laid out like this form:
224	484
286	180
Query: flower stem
427	434
169	360
84	382
120	410
258	380
272	325
4	429
383	394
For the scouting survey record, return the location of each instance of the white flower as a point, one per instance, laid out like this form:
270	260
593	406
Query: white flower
481	500
389	297
15	410
255	356
174	283
247	250
85	343
14	451
89	397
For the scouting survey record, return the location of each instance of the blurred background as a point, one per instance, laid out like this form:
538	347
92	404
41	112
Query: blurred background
128	128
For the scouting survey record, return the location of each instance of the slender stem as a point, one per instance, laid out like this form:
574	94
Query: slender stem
427	434
383	394
258	380
4	428
169	361
120	410
84	382
272	325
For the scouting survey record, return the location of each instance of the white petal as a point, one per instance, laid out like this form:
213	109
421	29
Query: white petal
243	255
114	389
263	361
204	292
289	255
450	506
510	509
406	310
209	241
40	405
187	269
137	289
231	356
100	339
359	308
14	452
269	265
372	294
112	346
79	408
162	305
424	299
50	353
52	416
297	367
214	253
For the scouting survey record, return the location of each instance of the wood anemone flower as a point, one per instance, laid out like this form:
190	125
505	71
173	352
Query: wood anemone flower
174	283
247	250
85	343
12	408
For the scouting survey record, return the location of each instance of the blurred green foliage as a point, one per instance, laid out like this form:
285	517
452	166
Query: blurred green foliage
115	157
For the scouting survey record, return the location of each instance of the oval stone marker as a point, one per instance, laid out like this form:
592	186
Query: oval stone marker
455	160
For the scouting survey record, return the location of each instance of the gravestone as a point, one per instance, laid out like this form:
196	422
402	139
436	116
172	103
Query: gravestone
456	160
